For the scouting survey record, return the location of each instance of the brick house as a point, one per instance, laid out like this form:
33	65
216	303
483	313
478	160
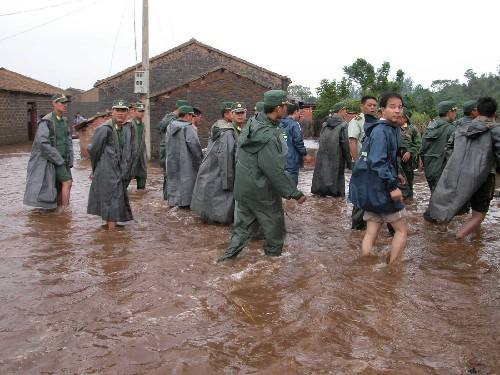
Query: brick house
193	70
23	100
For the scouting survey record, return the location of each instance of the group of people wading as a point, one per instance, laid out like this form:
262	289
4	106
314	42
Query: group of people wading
250	165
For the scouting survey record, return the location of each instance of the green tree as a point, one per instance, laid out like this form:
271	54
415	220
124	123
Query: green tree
329	93
374	82
301	93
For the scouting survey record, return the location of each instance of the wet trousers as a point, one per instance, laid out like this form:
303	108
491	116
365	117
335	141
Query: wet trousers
248	219
357	219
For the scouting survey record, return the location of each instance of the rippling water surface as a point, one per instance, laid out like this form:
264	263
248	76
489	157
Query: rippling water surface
149	298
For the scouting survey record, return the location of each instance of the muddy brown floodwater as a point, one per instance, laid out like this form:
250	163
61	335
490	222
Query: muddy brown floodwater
149	298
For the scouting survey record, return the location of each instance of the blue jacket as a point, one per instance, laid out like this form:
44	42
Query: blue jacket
383	156
375	173
295	142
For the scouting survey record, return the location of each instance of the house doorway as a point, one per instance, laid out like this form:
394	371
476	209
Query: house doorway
32	123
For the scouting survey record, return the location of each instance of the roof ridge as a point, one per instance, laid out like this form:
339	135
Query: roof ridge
185	44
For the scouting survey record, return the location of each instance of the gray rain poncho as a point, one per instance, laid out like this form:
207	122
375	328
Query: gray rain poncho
41	190
184	156
213	196
111	169
332	158
476	154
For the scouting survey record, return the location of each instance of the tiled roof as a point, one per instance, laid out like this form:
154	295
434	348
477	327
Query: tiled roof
189	42
11	81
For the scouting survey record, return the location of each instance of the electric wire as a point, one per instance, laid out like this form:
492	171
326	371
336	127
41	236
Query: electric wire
37	9
116	39
48	22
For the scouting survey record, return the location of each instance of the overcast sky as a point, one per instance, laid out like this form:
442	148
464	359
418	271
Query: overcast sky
306	40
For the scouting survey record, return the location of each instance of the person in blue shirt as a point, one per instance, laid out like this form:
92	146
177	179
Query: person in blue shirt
295	142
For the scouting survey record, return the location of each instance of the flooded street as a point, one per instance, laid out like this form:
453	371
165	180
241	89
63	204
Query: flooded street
149	298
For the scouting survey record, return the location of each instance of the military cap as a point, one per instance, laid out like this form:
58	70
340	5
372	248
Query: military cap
179	103
238	107
407	113
227	106
470	105
186	109
60	98
139	106
120	103
446	106
259	107
274	98
352	106
338	106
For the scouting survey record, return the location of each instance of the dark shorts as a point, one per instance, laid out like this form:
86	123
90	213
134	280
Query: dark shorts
481	199
63	173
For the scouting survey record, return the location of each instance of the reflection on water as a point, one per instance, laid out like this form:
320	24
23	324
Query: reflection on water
149	298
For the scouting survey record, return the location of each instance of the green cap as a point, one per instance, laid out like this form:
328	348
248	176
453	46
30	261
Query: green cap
139	106
179	103
60	98
186	109
238	107
470	105
275	98
120	103
259	107
338	106
407	113
446	106
227	106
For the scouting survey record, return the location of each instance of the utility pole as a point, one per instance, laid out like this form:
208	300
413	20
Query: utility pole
145	67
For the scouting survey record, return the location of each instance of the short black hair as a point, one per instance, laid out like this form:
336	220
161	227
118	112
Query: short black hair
196	111
291	109
366	97
269	108
487	106
223	112
389	95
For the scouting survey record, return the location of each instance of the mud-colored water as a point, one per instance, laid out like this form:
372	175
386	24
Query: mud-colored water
149	298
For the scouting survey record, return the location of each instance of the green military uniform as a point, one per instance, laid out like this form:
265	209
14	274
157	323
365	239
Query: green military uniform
238	107
411	142
261	182
468	107
62	139
433	150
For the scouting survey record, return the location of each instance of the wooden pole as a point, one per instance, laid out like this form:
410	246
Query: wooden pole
145	67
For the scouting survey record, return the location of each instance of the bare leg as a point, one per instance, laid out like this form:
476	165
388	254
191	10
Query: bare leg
399	241
370	237
65	193
472	225
111	225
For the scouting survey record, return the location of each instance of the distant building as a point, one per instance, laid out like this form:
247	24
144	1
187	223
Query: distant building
23	100
195	71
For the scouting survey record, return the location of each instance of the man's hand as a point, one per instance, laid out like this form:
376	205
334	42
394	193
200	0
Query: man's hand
406	156
302	199
401	179
397	195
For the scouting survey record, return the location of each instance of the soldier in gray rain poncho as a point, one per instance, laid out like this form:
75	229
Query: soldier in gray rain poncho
469	175
184	156
213	196
112	153
49	180
333	155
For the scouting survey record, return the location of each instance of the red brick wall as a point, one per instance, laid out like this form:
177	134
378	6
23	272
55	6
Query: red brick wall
14	115
206	93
